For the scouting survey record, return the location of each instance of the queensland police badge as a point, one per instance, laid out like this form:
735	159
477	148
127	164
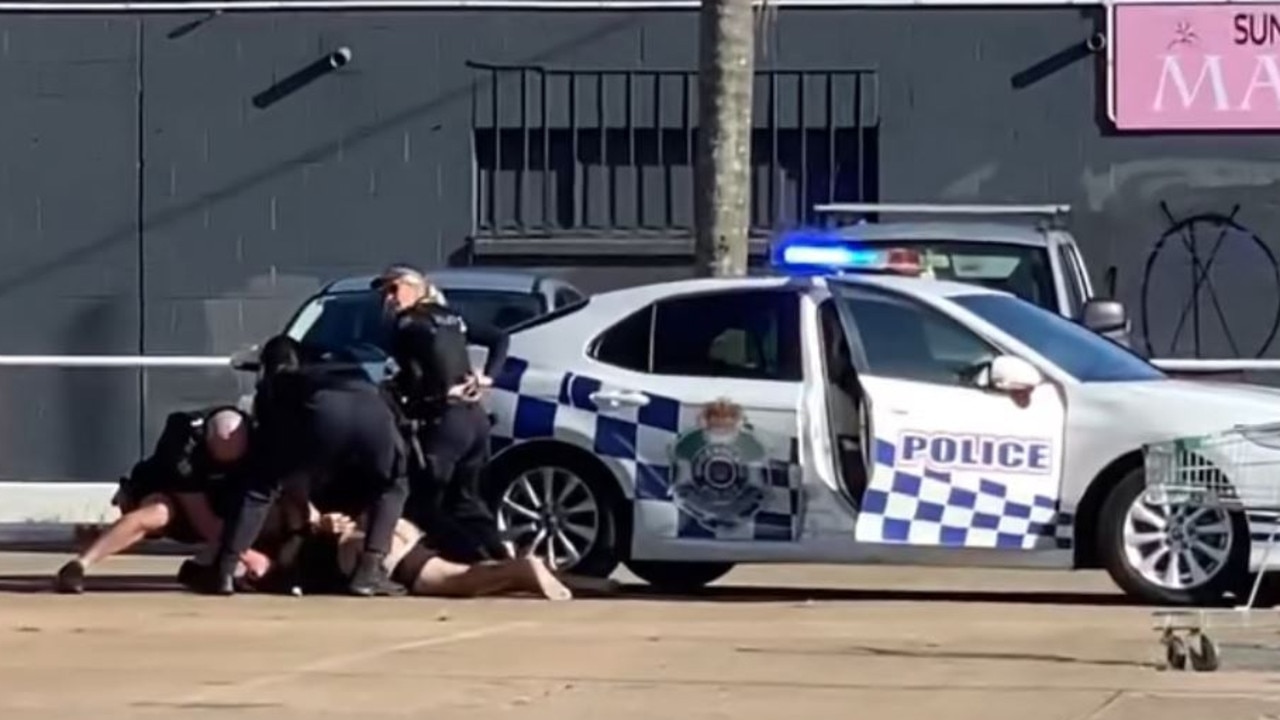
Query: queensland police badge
719	471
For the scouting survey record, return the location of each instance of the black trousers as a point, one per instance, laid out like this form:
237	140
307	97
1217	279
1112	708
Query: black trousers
346	455
445	498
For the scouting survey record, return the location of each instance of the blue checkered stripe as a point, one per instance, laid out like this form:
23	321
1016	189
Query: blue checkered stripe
532	404
937	508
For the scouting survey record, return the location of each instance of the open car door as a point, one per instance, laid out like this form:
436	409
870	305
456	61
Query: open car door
964	443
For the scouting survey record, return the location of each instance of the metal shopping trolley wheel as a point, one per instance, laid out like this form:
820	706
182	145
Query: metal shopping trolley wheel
1203	652
1175	651
1186	643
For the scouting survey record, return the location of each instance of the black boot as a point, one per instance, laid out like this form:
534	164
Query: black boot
370	578
70	578
191	574
215	579
215	583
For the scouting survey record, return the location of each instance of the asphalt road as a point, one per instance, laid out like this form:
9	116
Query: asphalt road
768	643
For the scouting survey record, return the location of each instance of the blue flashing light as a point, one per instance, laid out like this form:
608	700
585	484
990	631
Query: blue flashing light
809	252
834	256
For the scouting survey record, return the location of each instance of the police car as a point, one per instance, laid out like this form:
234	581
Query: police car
851	411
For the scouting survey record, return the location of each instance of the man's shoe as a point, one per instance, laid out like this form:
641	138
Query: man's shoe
191	573
370	578
70	578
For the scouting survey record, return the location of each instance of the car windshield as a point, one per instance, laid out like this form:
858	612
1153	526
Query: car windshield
1021	270
343	320
1082	353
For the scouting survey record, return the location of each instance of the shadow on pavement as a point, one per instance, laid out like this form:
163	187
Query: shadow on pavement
767	594
93	583
939	652
109	583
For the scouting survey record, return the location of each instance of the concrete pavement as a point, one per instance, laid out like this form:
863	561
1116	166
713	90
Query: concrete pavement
810	642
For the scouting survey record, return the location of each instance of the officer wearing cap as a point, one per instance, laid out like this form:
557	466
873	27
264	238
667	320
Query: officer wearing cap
326	433
440	393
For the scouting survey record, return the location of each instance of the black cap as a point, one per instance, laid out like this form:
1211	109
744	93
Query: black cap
396	272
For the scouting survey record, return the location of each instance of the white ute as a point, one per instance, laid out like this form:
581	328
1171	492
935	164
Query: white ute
852	417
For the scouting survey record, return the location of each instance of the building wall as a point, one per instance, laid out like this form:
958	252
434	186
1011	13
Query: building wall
149	205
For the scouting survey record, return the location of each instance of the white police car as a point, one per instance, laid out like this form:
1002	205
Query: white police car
687	426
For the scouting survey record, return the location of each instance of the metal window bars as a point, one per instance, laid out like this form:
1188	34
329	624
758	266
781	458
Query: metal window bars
587	153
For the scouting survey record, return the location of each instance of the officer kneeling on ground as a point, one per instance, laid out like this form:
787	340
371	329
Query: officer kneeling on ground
182	491
323	430
440	393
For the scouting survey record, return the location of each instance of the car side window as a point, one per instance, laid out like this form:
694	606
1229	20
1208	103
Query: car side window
627	344
905	340
566	296
750	335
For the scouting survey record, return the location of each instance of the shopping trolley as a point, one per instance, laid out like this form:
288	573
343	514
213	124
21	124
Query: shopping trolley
1235	470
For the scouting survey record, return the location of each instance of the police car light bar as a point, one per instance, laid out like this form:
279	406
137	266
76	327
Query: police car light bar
826	254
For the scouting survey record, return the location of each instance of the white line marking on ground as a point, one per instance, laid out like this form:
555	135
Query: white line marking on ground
337	661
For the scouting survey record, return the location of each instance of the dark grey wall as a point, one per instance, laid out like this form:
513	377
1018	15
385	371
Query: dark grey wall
147	204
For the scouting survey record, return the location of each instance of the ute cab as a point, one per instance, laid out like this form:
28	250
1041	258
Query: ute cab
1038	261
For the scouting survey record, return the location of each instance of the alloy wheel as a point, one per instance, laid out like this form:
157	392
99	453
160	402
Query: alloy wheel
1176	546
551	513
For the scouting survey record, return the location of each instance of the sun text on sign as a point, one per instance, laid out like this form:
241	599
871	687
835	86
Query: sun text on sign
985	453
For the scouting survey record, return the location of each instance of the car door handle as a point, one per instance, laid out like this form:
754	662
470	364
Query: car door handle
617	398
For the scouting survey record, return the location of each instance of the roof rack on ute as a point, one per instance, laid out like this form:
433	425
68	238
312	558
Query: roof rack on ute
939	209
1053	214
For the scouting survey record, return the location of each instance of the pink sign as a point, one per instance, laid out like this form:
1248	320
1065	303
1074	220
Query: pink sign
1196	67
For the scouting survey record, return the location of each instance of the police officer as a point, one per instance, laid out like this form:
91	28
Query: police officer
440	393
182	491
325	431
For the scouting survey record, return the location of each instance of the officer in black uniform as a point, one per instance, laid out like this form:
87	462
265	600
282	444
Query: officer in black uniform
182	491
326	434
440	394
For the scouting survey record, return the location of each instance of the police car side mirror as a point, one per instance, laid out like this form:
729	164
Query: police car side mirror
245	359
1013	374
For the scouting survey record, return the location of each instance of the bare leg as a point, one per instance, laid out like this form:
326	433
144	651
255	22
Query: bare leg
442	577
152	515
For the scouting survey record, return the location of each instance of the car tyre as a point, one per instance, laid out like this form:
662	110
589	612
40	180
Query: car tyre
601	558
1111	545
678	577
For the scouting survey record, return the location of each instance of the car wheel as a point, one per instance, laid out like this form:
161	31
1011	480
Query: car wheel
1170	554
678	576
559	508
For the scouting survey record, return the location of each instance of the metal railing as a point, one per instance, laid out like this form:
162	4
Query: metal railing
116	361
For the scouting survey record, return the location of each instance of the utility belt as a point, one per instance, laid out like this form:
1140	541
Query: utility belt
417	407
416	414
